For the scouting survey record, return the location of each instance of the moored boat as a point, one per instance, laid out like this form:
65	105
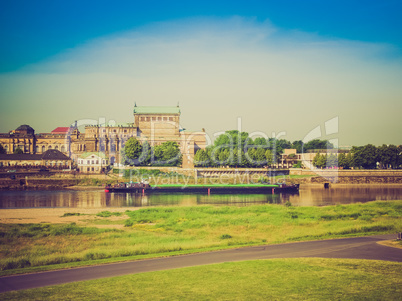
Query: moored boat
145	188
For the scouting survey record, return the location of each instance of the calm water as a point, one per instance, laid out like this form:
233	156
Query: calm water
307	196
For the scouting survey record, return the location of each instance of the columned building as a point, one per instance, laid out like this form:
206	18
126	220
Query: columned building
153	124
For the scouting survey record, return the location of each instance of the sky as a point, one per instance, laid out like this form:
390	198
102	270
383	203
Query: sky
295	70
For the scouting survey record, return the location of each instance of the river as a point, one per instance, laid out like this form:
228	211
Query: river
307	196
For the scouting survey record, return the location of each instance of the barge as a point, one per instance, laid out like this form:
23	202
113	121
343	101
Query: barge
144	188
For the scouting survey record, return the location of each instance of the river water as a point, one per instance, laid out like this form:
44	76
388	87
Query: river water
307	196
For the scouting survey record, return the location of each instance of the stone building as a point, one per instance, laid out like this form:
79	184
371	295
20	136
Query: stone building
92	162
52	159
153	124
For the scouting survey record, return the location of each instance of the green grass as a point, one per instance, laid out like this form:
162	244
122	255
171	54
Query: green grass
277	279
160	231
108	214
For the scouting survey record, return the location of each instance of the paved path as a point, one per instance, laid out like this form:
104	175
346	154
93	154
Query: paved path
357	248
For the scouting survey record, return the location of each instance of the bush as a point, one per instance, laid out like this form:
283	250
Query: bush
108	214
225	236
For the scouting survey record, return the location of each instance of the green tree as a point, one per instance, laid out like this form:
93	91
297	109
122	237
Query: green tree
201	158
365	156
132	151
167	154
269	157
318	144
388	156
344	161
332	161
298	145
320	161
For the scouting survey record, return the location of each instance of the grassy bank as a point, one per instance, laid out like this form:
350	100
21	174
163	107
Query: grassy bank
152	232
278	279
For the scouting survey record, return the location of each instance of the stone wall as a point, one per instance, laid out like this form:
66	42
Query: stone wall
18	184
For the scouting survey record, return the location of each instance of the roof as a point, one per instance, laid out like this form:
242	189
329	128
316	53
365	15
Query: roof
54	154
26	128
156	110
98	154
51	154
61	130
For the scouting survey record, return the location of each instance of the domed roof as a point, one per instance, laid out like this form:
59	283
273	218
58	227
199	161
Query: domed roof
25	128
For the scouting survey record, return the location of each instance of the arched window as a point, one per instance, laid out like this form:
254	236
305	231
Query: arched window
37	149
49	147
63	149
56	147
43	149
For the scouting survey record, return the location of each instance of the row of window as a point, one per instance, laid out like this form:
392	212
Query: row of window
56	147
92	162
159	118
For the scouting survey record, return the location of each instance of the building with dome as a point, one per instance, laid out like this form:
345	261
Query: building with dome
155	125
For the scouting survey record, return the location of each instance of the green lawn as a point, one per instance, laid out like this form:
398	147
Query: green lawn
164	231
277	279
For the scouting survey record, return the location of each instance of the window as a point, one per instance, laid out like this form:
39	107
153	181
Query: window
63	149
43	149
92	162
97	161
49	147
125	131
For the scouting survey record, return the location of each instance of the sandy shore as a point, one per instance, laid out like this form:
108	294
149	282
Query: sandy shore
54	215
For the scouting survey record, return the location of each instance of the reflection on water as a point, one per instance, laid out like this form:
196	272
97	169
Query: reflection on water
307	196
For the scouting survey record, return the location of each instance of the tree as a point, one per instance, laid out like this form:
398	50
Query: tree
388	156
318	144
332	161
344	161
365	156
18	151
132	151
320	161
167	154
201	158
298	145
269	157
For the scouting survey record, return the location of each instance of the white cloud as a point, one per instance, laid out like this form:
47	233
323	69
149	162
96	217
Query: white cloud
218	69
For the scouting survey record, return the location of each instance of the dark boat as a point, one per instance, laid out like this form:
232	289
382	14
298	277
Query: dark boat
204	189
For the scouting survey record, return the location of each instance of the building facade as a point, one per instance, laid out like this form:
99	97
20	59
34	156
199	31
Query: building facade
153	124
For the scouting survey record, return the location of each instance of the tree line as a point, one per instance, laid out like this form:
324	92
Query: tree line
238	149
136	154
363	157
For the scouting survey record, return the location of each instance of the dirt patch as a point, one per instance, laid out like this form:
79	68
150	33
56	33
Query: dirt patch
391	243
55	215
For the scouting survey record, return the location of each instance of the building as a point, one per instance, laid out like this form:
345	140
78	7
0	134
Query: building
92	162
153	124
51	159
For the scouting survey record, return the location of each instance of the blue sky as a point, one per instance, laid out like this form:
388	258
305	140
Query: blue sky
222	60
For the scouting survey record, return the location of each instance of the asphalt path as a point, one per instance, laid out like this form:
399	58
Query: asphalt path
356	248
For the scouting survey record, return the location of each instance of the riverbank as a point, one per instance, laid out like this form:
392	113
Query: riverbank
206	177
80	216
119	234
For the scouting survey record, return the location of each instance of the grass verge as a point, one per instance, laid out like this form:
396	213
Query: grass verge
276	279
161	231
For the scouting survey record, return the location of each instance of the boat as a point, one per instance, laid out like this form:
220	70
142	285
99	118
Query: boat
145	188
